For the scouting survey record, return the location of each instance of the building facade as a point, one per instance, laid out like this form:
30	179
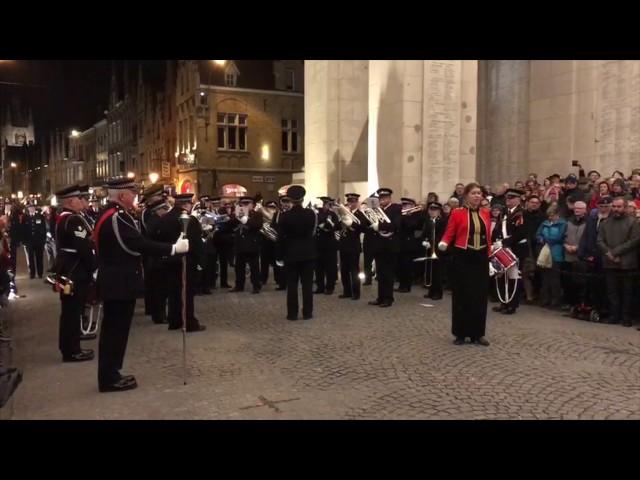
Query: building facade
239	123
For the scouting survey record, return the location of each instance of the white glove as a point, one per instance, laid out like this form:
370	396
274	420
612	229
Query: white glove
207	228
347	221
375	226
49	235
426	244
95	275
280	263
244	219
181	246
199	268
442	246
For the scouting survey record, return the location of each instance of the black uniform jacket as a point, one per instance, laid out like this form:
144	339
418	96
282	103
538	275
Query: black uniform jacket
516	238
296	235
119	245
386	239
35	230
328	224
247	236
76	258
429	228
350	236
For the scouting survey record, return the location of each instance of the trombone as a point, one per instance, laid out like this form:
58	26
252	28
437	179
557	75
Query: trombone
429	259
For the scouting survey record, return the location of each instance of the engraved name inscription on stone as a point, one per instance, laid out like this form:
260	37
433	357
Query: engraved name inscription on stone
442	124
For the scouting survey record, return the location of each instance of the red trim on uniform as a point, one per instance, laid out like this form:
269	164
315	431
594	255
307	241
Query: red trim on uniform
458	227
96	232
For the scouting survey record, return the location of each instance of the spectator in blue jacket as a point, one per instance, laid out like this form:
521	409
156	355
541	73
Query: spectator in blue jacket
552	232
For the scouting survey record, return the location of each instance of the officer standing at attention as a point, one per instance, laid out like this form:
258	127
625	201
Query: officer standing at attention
76	261
297	250
35	238
119	245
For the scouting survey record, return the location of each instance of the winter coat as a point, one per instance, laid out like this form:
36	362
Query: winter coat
552	234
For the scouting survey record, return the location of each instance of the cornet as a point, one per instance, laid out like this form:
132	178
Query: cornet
430	258
412	210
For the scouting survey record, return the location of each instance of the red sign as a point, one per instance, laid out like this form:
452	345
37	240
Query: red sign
186	187
233	190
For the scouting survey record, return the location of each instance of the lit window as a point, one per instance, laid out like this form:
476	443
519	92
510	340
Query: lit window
290	136
230	79
232	131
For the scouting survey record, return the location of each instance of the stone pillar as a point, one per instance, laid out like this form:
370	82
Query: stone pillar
336	94
422	125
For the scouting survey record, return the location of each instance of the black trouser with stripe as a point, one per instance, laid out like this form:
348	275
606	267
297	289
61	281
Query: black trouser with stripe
327	270
349	273
114	335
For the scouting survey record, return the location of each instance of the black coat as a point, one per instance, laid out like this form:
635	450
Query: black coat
428	228
386	239
76	257
516	233
296	235
410	232
168	229
350	236
35	230
533	220
120	246
328	224
247	236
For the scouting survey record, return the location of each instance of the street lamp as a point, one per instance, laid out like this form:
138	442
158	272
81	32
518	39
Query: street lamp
75	133
153	177
131	175
220	62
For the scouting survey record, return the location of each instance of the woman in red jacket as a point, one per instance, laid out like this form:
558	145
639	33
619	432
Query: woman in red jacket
469	230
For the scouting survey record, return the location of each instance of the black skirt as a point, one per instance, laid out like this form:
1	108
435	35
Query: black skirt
470	275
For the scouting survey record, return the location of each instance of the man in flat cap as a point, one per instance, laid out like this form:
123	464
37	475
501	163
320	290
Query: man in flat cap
327	244
296	249
119	245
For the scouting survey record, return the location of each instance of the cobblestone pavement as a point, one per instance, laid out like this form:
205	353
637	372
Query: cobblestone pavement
352	361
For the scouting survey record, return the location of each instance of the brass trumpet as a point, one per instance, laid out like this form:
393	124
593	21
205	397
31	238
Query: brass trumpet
412	210
429	258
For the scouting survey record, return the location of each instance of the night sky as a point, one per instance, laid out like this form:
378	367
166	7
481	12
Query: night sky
75	92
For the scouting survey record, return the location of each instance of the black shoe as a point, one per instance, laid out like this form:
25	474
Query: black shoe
367	283
458	341
174	327
279	289
32	277
426	295
499	308
481	341
307	317
88	336
82	356
318	291
329	292
125	383
159	321
402	290
385	304
508	311
375	302
344	296
234	289
225	285
198	328
293	319
436	297
355	297
255	290
206	291
626	324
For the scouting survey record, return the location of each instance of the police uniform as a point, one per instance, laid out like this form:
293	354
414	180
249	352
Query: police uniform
76	261
247	246
208	274
119	245
409	245
169	229
514	237
350	247
368	241
35	239
432	232
385	250
279	273
297	250
327	244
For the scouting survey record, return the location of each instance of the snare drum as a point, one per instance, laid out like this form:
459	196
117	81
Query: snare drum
502	259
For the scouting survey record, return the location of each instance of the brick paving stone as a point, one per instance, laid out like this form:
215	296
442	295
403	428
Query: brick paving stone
352	361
